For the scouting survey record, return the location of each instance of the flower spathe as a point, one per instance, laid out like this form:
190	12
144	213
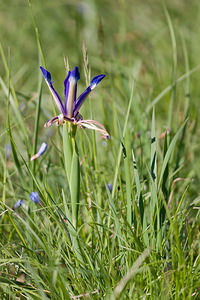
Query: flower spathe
70	111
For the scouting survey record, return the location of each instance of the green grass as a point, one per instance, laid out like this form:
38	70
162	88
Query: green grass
140	241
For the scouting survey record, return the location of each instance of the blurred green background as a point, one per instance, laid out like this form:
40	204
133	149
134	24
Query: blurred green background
117	34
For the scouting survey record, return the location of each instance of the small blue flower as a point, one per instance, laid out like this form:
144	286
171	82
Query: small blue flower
42	149
109	187
34	196
7	150
70	112
18	204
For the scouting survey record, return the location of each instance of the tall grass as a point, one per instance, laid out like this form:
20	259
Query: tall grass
139	240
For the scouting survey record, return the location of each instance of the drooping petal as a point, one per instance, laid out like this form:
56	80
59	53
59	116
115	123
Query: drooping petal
71	89
59	120
51	121
84	95
94	125
34	196
41	150
47	77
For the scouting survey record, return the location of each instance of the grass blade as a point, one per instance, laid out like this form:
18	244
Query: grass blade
169	152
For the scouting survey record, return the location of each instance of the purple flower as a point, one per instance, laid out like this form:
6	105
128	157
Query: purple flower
109	187
34	196
18	204
7	150
70	111
41	150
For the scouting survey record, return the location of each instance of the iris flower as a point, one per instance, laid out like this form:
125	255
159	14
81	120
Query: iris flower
70	111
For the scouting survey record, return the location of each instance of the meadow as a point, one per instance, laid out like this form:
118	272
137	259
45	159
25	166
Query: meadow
109	208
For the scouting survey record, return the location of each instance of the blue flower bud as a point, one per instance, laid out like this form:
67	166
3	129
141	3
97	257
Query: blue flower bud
18	204
34	196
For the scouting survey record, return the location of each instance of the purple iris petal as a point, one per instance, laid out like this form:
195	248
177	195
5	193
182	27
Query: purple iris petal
34	196
47	77
75	74
18	204
96	81
80	100
83	96
66	87
71	89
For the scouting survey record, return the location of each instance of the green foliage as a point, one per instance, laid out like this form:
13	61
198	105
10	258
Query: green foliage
140	240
